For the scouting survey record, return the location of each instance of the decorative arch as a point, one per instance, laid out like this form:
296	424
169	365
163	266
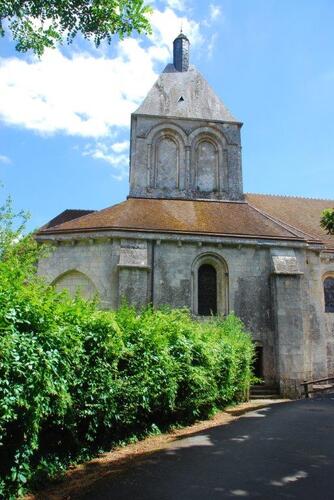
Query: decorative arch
206	165
328	287
75	281
167	126
166	161
210	270
209	157
166	155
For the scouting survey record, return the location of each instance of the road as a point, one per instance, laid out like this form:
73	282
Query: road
282	451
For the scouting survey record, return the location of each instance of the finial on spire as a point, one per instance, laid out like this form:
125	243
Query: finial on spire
181	46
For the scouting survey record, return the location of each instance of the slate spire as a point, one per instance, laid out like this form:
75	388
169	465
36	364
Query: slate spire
181	47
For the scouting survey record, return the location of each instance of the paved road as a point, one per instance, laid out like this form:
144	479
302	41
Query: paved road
283	451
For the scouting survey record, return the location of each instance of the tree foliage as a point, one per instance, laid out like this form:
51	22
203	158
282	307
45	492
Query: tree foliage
38	24
327	220
75	380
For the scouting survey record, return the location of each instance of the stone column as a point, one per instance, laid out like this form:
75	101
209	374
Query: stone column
287	303
133	273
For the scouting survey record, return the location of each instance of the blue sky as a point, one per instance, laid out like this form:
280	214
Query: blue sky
64	119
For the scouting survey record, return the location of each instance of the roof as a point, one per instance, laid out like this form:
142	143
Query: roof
65	216
301	213
182	216
182	35
199	100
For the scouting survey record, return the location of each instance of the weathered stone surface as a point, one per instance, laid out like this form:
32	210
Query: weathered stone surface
284	264
133	257
187	159
190	148
199	100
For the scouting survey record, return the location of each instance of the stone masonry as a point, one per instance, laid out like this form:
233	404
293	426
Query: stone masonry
186	146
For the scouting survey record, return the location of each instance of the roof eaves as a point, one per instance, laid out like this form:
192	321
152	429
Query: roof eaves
175	231
173	117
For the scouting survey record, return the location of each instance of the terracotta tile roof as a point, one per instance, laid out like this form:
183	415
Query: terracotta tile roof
301	213
67	215
181	216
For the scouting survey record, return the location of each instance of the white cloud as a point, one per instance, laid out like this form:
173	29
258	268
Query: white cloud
115	155
91	94
87	94
215	11
119	147
5	159
167	25
81	95
177	4
211	44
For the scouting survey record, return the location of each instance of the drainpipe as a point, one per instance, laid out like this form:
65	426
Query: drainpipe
152	272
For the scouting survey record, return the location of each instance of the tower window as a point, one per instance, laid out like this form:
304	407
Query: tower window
329	294
207	290
181	99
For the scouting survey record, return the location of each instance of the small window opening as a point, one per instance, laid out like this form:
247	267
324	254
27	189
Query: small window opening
181	99
329	294
207	290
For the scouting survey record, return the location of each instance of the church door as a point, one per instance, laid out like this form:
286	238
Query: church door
207	290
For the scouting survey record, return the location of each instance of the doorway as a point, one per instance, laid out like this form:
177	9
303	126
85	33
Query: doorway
258	362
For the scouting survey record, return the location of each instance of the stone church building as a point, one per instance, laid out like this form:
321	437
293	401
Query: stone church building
188	235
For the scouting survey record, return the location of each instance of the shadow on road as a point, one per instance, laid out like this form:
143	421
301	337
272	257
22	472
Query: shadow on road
282	451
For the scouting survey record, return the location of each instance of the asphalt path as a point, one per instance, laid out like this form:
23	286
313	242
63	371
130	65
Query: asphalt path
282	451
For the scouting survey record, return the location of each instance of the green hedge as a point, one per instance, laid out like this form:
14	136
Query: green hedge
75	380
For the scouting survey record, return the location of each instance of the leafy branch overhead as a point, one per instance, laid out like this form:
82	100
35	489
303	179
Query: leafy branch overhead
38	24
327	220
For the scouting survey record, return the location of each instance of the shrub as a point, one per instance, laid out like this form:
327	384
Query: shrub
75	380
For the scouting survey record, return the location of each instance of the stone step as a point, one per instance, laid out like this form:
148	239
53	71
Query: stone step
264	388
265	396
264	391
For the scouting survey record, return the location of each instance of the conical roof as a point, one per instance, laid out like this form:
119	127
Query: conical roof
184	94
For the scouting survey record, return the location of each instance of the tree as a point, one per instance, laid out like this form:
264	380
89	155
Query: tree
38	24
19	251
327	220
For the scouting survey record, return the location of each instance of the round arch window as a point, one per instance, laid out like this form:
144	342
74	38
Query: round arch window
207	290
329	294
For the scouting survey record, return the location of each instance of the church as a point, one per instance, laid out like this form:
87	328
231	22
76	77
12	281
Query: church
188	236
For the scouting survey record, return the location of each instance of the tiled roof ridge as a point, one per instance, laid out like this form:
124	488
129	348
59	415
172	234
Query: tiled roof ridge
288	196
288	227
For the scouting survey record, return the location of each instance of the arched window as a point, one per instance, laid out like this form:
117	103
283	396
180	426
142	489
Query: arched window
167	163
329	294
76	282
207	166
210	285
207	290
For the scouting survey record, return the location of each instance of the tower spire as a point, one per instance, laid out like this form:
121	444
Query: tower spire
181	46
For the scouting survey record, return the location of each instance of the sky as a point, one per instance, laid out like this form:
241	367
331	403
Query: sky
64	118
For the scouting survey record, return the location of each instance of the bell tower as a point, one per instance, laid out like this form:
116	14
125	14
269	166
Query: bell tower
185	143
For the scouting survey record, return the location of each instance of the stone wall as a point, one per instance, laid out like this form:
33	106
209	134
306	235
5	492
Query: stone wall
280	301
179	158
97	260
